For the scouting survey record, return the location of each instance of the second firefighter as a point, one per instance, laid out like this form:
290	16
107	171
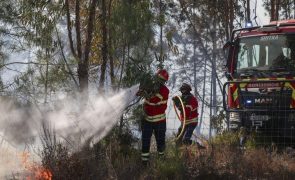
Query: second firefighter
191	114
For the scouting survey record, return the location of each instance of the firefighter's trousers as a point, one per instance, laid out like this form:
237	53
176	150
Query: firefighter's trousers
187	133
159	130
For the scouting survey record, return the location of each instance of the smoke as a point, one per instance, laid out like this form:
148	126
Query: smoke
69	119
93	122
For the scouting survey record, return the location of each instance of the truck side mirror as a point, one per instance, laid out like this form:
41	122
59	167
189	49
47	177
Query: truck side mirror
226	47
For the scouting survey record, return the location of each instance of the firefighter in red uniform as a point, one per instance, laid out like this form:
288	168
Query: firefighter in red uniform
154	120
191	112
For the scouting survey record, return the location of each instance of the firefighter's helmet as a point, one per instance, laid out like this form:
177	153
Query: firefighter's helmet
186	87
163	74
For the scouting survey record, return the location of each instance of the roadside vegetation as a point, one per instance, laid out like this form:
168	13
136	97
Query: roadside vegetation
221	158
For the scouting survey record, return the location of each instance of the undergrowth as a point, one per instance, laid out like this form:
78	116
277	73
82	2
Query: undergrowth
221	158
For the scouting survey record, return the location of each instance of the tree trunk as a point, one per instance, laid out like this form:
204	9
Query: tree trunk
272	10
78	30
214	71
69	28
204	93
123	64
81	58
104	46
64	58
46	76
229	19
210	113
111	58
83	70
232	16
277	9
248	12
213	103
161	58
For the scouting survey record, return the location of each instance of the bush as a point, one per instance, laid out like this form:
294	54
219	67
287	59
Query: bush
117	158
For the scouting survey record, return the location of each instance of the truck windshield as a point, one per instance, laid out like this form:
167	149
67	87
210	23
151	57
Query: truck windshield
271	52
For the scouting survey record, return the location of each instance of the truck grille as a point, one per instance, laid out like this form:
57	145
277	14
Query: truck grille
271	101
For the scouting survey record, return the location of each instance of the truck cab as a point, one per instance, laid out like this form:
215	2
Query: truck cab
260	90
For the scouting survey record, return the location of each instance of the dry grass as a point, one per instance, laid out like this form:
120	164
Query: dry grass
220	159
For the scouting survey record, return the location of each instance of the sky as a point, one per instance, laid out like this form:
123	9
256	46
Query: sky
262	19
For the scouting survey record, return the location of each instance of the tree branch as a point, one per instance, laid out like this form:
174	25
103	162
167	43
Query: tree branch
65	60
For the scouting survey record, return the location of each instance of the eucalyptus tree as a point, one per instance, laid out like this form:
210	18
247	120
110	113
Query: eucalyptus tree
208	26
8	18
287	9
132	38
81	40
280	9
38	21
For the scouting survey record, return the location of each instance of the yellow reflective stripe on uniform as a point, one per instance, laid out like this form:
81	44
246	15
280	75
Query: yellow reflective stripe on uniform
189	106
159	96
155	104
145	154
144	159
188	121
161	153
155	118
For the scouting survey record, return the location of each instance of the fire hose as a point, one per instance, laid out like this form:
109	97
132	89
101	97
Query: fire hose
184	116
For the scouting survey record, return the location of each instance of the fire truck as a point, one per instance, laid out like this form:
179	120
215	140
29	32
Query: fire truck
259	94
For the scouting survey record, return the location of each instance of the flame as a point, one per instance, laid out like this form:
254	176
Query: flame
36	172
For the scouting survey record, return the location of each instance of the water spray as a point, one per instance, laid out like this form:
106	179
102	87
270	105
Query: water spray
66	121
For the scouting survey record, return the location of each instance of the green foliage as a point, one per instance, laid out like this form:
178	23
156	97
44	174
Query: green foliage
218	122
8	13
8	18
30	85
1	85
227	138
135	75
170	167
40	19
131	22
251	141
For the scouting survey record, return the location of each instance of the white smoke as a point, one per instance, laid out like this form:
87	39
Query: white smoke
21	127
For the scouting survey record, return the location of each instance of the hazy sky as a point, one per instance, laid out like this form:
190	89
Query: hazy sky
261	19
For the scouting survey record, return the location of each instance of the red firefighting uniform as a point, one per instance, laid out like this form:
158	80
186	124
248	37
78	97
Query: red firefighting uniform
191	117
191	109
154	121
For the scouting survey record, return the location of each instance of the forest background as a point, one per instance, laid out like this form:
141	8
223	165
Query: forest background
86	53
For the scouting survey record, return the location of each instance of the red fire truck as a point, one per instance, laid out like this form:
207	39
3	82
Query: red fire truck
260	68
